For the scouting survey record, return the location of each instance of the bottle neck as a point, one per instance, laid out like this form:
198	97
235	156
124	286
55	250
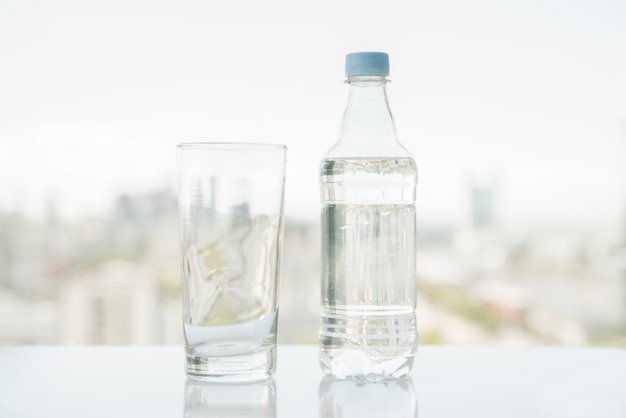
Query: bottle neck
367	128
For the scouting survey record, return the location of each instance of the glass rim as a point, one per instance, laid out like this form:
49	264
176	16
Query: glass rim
231	145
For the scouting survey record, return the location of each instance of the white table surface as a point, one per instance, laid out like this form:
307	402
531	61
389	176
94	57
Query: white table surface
149	381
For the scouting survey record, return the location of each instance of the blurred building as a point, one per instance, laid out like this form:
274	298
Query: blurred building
24	322
483	206
23	250
298	321
117	304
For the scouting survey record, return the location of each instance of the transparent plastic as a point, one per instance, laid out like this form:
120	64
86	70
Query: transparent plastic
368	288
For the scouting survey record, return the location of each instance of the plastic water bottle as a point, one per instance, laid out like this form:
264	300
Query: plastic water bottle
368	287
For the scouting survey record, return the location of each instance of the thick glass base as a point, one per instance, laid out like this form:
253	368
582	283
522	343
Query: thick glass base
237	367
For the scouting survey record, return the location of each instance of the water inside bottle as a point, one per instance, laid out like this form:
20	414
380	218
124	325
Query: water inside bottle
368	326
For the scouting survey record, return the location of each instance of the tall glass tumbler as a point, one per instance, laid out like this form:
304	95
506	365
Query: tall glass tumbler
231	226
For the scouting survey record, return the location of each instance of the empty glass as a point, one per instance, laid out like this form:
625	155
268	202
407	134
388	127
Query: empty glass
231	225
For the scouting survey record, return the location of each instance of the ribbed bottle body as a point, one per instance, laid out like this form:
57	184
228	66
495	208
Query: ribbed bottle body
368	286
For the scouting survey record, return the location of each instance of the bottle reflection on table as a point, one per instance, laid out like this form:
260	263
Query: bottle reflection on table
362	399
229	400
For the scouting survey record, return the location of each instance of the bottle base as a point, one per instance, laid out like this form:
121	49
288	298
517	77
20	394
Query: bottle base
356	364
373	345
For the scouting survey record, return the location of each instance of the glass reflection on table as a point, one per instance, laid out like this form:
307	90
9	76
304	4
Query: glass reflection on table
354	398
255	399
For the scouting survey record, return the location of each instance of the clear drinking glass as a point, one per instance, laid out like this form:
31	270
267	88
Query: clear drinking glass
231	226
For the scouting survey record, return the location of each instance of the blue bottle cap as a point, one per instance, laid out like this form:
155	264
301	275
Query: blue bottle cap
367	63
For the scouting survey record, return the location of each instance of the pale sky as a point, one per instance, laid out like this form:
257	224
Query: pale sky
530	95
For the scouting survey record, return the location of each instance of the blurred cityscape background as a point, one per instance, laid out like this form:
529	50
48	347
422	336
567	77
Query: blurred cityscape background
115	279
514	111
